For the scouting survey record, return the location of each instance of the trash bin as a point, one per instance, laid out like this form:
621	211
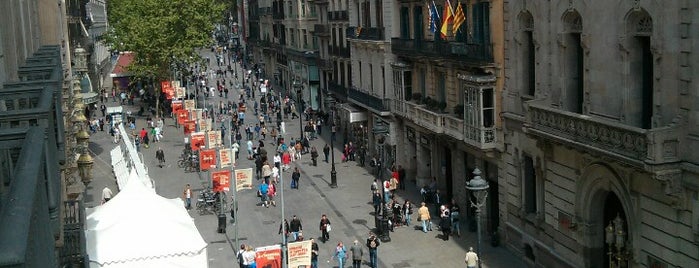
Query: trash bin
221	223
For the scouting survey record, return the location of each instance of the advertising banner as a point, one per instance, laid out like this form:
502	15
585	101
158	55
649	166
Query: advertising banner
299	253
204	124
190	105
176	106
269	256
243	179
225	157
207	159
168	90
179	92
198	141
189	126
182	116
213	138
221	180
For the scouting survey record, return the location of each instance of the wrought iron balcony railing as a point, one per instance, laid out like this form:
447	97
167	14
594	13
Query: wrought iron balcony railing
365	33
442	49
365	99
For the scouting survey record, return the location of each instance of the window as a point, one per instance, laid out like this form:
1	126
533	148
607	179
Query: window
305	38
488	108
481	23
527	56
379	14
640	27
404	22
573	69
441	86
422	83
366	17
529	182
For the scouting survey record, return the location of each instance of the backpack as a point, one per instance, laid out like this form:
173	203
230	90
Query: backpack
240	258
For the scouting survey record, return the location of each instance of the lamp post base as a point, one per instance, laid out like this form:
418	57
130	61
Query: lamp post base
333	178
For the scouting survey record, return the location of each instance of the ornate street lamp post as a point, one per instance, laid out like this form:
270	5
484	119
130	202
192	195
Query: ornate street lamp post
615	238
333	172
479	188
299	87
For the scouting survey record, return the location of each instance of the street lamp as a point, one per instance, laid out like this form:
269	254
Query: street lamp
333	172
479	187
85	163
615	238
298	88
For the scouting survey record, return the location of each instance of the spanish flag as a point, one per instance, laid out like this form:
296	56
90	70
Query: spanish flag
446	19
459	18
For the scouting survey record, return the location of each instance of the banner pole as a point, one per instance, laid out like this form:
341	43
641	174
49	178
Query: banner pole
235	187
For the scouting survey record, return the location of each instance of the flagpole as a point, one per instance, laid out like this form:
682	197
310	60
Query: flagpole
235	187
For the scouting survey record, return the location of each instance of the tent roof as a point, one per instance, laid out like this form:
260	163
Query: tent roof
121	67
138	224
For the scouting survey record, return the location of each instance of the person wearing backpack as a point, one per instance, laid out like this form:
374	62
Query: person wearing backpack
373	244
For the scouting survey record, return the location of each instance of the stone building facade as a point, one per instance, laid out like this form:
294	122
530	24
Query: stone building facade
600	130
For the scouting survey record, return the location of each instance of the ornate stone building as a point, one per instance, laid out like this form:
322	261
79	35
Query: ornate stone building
600	133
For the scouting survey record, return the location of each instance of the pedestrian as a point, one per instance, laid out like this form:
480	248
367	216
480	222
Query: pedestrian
445	222
314	253
160	155
408	211
103	108
386	191
187	195
326	152
296	227
239	256
423	214
266	171
295	178
357	253
340	254
455	218
271	192
249	257
262	191
373	244
401	177
286	160
314	156
471	258
325	228
284	227
106	194
376	201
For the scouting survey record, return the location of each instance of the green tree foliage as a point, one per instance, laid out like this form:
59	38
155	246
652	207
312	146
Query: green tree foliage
161	32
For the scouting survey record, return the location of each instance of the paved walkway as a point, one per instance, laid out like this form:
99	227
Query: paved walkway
348	206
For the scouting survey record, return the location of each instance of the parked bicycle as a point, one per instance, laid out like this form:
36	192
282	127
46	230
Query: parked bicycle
189	163
208	202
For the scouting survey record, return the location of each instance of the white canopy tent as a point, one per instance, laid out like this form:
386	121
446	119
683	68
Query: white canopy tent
138	228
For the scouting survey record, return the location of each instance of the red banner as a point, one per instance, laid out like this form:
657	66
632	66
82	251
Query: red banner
189	126
222	180
177	105
207	159
182	116
197	140
168	90
269	256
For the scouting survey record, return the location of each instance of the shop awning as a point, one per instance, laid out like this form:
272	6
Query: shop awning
352	113
121	67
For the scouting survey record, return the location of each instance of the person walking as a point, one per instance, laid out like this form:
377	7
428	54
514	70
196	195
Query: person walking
295	178
295	227
284	227
324	227
455	229
187	195
314	156
106	194
423	214
471	258
262	191
314	253
357	253
160	155
340	254
445	222
373	244
408	212
326	152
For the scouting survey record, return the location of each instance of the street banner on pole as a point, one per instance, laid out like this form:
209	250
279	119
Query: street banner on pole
221	180
225	157
198	141
175	83
167	88
190	105
213	137
269	256
204	124
179	92
198	114
182	116
189	126
243	179
207	159
299	253
176	106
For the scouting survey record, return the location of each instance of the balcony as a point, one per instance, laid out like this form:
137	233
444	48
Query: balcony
322	30
440	49
631	144
483	138
366	100
73	250
342	15
337	89
365	33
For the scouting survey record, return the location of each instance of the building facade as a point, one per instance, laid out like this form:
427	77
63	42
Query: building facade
600	125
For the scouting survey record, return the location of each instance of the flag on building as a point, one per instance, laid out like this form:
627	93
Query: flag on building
434	18
447	18
459	18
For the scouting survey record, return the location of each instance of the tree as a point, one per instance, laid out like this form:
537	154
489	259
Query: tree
161	33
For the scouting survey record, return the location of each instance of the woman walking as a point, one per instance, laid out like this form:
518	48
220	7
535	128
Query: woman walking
340	254
325	228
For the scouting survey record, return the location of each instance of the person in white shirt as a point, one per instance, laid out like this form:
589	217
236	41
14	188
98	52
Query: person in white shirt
471	258
106	194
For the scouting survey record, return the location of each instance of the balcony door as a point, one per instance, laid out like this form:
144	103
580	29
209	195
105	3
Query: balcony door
417	24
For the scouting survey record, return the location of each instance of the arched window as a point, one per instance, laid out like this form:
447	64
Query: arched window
527	55
639	27
573	64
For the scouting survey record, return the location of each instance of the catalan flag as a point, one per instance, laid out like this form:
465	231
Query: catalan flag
459	18
434	18
446	19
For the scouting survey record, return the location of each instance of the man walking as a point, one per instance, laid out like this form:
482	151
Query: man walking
187	194
357	253
471	258
295	227
314	253
160	155
424	216
326	152
373	244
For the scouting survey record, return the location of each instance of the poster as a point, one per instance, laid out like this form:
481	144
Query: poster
168	90
299	253
225	157
213	138
207	159
243	179
176	106
189	126
269	256
179	92
182	116
221	180
190	105
198	141
204	124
